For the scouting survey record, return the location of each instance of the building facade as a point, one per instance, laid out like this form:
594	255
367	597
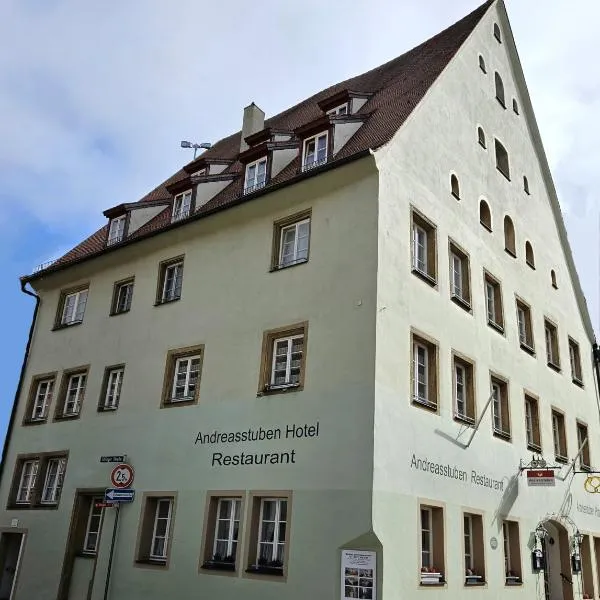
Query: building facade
327	348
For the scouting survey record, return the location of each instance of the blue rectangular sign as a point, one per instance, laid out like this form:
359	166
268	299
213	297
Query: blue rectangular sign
116	495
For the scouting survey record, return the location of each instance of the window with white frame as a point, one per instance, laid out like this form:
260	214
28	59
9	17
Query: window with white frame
73	307
421	376
342	109
500	414
185	378
426	538
286	364
55	472
116	230
112	395
172	281
161	528
314	151
575	361
74	394
424	259
272	533
181	206
552	353
93	526
122	297
512	553
468	540
459	276
559	436
256	176
493	302
464	399
226	531
29	469
424	367
532	424
294	243
583	446
524	325
42	399
420	249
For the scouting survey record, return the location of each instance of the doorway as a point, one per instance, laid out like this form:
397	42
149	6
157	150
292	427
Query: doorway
11	547
558	578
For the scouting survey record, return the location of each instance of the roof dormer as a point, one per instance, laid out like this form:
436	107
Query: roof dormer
345	102
126	219
202	167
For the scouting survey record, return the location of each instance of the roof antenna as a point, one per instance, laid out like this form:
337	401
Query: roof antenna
196	147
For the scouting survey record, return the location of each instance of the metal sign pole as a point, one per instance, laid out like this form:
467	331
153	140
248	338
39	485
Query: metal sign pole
112	550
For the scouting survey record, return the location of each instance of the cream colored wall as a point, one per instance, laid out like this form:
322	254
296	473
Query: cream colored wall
441	138
229	298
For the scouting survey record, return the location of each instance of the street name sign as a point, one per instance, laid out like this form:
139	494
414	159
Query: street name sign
113	459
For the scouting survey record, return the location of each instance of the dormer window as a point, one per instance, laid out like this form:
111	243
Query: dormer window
314	151
342	109
181	206
256	176
116	231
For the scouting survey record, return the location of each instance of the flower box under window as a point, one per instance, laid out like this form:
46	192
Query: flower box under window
219	563
513	580
474	580
431	578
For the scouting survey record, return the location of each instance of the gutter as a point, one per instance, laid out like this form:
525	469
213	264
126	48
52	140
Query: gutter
13	412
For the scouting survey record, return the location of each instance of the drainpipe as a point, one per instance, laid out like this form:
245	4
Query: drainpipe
21	377
596	356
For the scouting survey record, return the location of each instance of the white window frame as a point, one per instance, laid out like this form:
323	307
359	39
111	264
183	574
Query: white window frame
307	166
460	398
167	294
468	541
53	482
427	533
253	183
126	289
549	345
165	537
342	109
79	392
41	401
529	433
182	206
277	541
27	481
522	324
74	313
457	275
288	362
296	258
114	383
98	512
497	411
116	230
556	437
490	298
188	373
580	440
575	361
418	383
420	247
506	540
234	508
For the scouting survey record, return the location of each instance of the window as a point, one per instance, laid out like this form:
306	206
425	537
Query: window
474	549
575	360
55	472
532	424
111	388
283	359
72	307
481	137
432	545
529	258
509	236
515	106
40	398
460	277
93	525
497	33
559	436
500	410
493	302
485	215
182	376
524	326
424	251
339	110
122	297
502	159
464	390
482	64
512	553
222	533
525	185
170	280
72	396
424	373
269	533
29	470
499	89
583	446
553	279
552	352
454	187
182	205
256	176
156	530
116	230
315	151
291	243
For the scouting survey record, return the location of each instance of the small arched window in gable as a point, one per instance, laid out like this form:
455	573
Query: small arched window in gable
485	215
482	64
515	106
553	279
509	236
526	184
502	163
497	33
499	89
481	137
529	258
454	187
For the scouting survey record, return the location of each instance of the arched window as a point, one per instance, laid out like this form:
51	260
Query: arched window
529	258
497	33
515	106
454	187
553	279
526	185
509	236
481	137
485	215
482	63
502	163
499	89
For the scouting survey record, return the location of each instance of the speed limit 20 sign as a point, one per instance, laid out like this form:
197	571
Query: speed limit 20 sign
122	476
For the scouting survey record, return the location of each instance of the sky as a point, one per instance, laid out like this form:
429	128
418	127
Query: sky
95	98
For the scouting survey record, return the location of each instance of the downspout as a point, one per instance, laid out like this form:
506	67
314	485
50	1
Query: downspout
21	377
596	356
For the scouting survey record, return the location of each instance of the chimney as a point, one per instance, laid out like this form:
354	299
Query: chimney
254	121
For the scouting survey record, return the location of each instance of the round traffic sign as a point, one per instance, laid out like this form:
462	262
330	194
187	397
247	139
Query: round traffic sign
122	476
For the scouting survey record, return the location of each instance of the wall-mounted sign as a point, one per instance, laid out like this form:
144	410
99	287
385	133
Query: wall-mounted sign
359	574
112	496
122	476
111	459
493	543
540	477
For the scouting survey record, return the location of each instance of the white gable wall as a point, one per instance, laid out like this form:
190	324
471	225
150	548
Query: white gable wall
141	216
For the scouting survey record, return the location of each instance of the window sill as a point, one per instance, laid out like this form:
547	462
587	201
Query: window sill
117	313
485	226
530	265
169	301
578	382
534	448
83	554
561	459
505	175
503	435
470	421
30	422
213	565
464	304
426	277
496	326
29	506
478	583
67	417
513	582
151	563
425	404
268	391
66	325
529	349
107	409
171	402
554	366
510	252
260	570
295	263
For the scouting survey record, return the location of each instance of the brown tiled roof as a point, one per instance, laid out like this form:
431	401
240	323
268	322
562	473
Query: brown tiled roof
396	87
